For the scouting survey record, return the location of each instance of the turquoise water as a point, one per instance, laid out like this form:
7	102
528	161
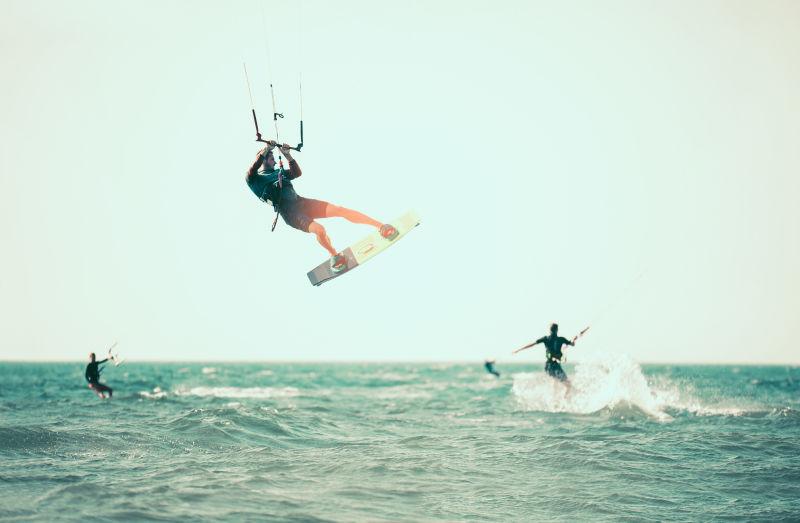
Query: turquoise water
400	442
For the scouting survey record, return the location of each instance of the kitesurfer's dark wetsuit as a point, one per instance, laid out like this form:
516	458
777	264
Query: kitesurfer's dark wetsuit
276	186
553	345
93	377
489	366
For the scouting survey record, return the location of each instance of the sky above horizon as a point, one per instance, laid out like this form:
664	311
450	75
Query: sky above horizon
627	165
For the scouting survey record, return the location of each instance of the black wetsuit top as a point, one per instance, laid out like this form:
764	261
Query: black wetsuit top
93	371
264	184
553	345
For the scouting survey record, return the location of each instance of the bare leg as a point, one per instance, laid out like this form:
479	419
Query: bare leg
108	389
322	237
334	211
96	390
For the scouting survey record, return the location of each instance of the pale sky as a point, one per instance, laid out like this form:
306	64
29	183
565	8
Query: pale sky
631	165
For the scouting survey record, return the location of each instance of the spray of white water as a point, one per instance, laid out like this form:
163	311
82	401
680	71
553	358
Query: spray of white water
597	382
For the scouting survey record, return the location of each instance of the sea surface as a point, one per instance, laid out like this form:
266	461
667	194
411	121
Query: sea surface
400	442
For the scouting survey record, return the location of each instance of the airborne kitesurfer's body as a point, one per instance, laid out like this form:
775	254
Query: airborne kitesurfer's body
489	366
553	343
275	185
93	377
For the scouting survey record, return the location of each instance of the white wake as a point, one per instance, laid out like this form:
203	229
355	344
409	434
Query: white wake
598	382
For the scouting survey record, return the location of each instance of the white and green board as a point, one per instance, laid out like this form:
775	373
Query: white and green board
361	251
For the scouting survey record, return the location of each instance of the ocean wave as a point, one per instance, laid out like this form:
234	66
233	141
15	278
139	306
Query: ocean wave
156	394
785	412
31	438
751	412
222	392
404	392
386	379
233	423
786	384
698	409
240	392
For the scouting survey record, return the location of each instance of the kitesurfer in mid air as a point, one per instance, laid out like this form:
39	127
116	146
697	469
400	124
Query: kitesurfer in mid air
553	344
93	370
275	185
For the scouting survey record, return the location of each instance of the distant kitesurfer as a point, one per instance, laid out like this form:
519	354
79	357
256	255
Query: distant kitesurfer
275	185
93	370
489	365
553	344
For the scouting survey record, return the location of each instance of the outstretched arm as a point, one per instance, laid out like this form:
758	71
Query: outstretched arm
528	346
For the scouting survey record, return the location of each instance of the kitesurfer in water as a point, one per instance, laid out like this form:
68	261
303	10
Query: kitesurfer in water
275	185
553	343
489	366
93	370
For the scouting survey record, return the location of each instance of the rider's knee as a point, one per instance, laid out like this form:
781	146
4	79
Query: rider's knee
316	228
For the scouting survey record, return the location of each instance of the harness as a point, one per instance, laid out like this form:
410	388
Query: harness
275	205
550	357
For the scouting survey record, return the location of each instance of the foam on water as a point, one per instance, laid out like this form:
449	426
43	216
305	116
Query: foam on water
239	392
157	393
598	382
607	381
223	392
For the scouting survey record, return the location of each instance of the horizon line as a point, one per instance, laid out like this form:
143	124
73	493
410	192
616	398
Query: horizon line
432	362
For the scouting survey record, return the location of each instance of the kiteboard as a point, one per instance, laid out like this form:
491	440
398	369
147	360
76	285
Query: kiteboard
358	253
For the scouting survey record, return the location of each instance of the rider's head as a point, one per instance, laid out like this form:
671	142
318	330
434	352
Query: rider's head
554	328
269	161
91	356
